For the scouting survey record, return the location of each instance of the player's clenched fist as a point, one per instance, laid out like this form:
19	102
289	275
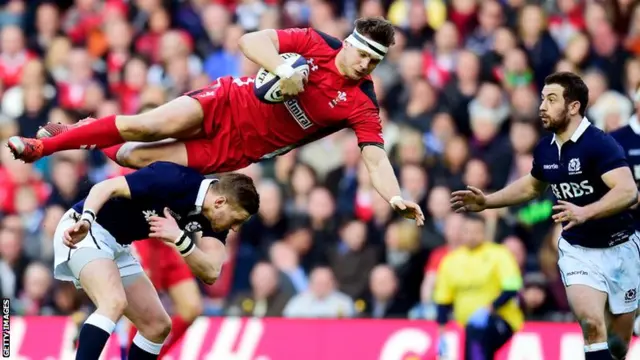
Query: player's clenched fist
164	228
472	199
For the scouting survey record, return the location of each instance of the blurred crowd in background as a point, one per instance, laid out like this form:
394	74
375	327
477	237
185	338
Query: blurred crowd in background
458	92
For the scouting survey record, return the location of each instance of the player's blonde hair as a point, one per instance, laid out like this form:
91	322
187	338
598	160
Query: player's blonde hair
240	190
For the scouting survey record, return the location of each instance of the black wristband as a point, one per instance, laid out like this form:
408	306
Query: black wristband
184	244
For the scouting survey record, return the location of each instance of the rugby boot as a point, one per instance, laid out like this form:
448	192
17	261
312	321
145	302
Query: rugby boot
25	149
55	129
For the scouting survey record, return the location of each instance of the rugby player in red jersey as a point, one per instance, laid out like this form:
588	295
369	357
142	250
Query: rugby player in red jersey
225	127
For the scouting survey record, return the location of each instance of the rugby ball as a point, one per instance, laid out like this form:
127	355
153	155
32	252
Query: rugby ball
267	85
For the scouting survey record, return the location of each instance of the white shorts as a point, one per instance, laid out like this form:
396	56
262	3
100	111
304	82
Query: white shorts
614	270
68	262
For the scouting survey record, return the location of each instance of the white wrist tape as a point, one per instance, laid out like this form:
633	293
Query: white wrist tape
396	199
184	244
88	215
284	71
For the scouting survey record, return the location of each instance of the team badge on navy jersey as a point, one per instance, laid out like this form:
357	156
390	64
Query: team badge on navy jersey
192	227
574	167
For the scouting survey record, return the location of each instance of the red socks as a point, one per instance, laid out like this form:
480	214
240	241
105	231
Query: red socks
132	334
179	326
112	152
96	134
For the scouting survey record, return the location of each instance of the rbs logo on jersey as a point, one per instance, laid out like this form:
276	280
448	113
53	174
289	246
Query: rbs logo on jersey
571	190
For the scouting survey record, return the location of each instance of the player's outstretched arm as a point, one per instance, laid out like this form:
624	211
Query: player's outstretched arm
474	200
384	180
522	190
623	194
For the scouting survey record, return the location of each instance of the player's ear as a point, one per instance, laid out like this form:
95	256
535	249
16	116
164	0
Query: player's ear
574	108
220	201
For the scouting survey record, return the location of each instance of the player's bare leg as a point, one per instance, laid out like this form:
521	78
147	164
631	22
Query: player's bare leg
619	332
588	305
186	299
180	116
100	279
147	314
137	155
187	303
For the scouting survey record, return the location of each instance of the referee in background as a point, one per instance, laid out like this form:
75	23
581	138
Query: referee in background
479	281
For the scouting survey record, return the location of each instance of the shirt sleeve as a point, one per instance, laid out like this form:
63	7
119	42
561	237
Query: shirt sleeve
609	155
536	167
366	124
295	40
508	271
158	180
444	292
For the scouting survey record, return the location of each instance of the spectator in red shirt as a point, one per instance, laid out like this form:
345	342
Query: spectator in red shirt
73	89
14	55
149	43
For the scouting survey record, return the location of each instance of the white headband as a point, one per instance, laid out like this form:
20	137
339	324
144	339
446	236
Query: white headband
374	48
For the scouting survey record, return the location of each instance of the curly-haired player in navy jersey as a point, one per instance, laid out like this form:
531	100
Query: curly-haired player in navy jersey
599	248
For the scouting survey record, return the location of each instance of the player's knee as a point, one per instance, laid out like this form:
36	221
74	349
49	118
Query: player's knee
163	327
617	346
113	303
593	329
132	156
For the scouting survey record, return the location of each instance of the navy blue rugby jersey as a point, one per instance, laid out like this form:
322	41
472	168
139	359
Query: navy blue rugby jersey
159	185
629	138
574	173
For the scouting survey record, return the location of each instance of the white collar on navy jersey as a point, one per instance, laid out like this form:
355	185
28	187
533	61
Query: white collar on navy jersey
202	192
584	125
634	124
